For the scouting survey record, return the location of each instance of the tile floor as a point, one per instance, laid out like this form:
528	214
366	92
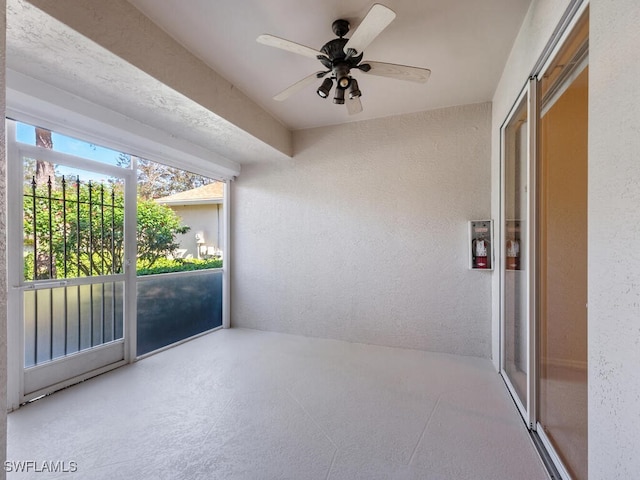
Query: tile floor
245	404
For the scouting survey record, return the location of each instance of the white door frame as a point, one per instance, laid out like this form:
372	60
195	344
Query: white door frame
528	97
90	362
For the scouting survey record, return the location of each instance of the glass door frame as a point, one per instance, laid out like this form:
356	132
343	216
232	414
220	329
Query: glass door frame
529	96
16	394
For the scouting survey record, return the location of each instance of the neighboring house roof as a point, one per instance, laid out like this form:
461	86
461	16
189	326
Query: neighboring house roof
207	194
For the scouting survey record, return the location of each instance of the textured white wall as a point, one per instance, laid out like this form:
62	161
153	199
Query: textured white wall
362	236
3	250
537	28
614	240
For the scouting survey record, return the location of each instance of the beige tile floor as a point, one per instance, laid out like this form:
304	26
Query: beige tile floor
245	404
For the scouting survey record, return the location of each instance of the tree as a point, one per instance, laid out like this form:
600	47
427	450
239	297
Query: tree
156	180
43	174
45	171
158	226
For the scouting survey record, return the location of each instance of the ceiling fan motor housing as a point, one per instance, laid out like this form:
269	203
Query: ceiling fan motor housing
337	61
334	52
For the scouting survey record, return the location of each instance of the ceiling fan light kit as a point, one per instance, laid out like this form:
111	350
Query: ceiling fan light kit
325	88
341	55
354	91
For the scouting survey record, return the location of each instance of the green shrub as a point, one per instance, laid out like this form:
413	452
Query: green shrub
164	265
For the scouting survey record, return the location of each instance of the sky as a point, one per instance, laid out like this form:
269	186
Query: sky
27	134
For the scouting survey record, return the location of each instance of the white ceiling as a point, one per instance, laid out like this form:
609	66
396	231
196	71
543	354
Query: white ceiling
464	42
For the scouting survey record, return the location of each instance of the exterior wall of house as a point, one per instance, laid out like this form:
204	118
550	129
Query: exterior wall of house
201	218
3	249
614	240
613	218
362	236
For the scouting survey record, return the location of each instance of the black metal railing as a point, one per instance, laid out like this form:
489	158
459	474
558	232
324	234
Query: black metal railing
73	230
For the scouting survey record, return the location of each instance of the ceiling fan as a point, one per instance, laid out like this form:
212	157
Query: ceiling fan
341	55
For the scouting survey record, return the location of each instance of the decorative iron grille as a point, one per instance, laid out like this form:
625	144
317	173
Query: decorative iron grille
74	230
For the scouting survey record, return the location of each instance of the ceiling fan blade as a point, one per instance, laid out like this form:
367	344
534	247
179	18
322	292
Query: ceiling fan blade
373	23
354	105
296	87
400	72
288	45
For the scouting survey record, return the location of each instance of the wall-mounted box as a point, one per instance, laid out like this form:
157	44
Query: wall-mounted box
480	244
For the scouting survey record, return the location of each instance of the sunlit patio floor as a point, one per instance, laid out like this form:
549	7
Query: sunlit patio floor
245	404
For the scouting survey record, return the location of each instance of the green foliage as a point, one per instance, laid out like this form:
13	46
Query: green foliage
166	265
158	226
80	232
75	233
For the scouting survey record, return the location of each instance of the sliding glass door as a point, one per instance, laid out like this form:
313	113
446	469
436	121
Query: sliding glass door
544	252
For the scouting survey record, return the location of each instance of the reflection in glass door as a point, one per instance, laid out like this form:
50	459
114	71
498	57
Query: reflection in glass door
562	207
515	268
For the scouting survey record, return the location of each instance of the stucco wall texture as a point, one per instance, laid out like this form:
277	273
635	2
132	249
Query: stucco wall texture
122	29
614	230
3	248
362	236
